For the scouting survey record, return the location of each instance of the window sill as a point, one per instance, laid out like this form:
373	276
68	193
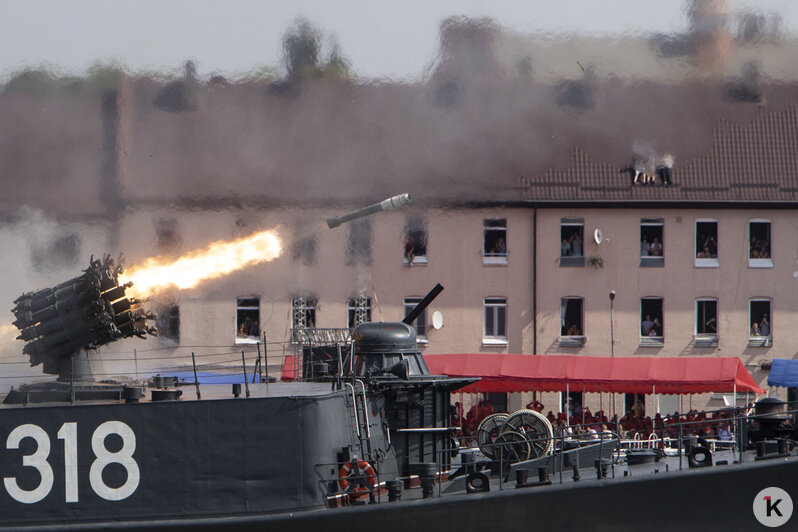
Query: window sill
760	341
493	260
706	340
652	341
652	262
416	261
494	342
423	341
572	341
760	263
572	262
250	340
706	263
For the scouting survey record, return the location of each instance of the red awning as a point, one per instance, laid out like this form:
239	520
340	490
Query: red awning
556	373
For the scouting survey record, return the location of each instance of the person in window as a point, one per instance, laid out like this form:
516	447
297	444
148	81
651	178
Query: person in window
576	245
755	329
565	248
410	249
647	326
645	248
655	249
500	248
764	326
573	330
704	254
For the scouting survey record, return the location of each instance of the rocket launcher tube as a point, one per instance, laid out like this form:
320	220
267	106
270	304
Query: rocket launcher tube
393	202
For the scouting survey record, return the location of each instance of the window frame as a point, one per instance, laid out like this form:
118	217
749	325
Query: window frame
351	308
572	340
572	260
761	262
496	257
240	307
652	261
409	303
704	338
760	340
657	340
706	262
497	306
419	226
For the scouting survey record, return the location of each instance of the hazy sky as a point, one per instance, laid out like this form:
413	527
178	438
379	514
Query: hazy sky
381	38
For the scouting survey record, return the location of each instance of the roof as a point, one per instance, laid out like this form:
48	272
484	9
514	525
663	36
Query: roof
558	373
783	372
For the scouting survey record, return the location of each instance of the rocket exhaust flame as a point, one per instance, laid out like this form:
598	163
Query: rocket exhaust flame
218	259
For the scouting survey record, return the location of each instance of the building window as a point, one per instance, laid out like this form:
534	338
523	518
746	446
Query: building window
706	323
571	405
706	244
247	320
572	232
359	309
415	246
420	324
167	236
167	322
759	244
652	325
495	321
652	253
358	246
494	247
760	317
303	312
304	250
571	322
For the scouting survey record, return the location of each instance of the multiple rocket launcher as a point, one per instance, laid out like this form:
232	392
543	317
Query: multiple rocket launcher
84	312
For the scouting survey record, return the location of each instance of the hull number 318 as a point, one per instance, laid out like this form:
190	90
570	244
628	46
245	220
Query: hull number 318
103	457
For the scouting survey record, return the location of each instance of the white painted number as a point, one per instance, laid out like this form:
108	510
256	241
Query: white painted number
104	457
69	433
37	460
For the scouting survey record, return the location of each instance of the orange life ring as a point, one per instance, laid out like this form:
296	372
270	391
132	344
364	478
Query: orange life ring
359	468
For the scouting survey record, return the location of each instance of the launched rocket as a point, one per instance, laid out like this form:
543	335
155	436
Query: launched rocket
385	205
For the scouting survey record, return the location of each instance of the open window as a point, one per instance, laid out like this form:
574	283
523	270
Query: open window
358	245
652	252
572	233
495	332
167	322
494	246
706	244
248	320
760	332
759	244
358	310
706	323
571	322
652	324
420	324
303	315
415	244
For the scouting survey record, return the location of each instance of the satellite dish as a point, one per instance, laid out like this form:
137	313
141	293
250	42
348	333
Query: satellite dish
437	320
598	236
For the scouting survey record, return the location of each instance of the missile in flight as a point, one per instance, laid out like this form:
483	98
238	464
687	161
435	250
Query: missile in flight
393	202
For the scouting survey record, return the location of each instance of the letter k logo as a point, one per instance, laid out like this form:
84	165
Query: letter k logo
772	506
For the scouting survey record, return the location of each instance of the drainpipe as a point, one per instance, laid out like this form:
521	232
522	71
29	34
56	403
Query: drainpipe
534	280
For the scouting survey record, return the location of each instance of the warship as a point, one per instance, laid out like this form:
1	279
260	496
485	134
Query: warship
363	441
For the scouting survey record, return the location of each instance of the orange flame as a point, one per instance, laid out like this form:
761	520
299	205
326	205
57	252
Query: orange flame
218	259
